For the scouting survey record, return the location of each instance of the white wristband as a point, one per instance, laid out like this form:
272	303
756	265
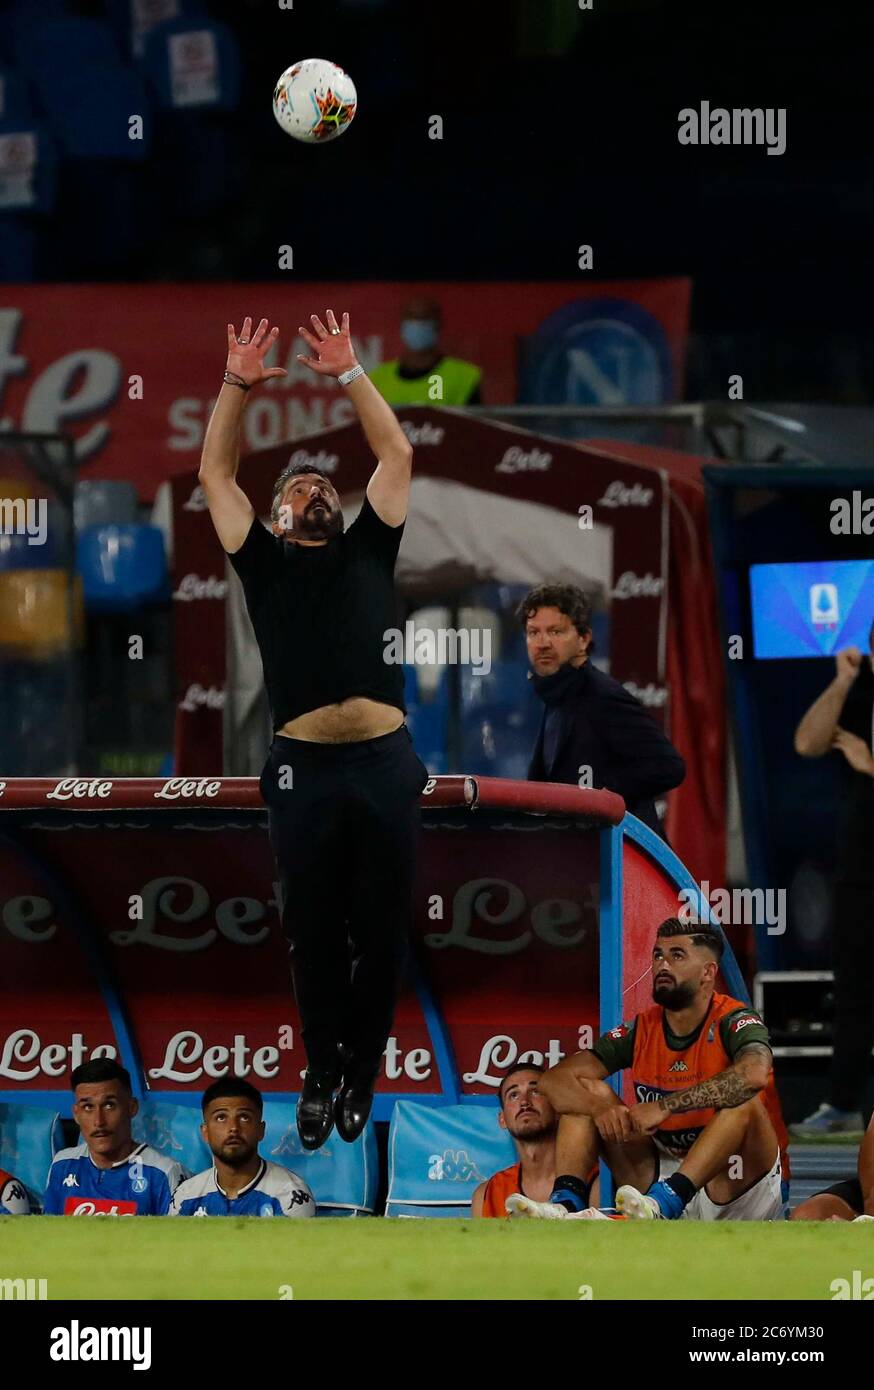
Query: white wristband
352	375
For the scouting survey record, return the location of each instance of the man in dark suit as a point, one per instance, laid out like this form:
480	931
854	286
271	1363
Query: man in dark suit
593	733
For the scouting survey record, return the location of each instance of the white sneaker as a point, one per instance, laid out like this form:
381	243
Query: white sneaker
862	1218
637	1206
827	1120
519	1205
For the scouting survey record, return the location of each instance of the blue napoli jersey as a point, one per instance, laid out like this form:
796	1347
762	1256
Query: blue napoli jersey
140	1185
274	1191
14	1200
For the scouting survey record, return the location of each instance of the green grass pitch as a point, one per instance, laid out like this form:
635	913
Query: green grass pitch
174	1258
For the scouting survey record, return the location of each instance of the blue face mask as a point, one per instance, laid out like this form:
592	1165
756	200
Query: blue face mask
419	334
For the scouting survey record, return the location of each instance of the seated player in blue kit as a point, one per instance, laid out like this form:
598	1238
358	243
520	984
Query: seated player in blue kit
241	1182
109	1173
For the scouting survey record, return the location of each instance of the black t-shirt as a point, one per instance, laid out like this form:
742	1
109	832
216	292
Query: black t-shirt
320	614
855	827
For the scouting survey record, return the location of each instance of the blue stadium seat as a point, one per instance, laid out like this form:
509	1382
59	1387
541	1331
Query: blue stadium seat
437	1156
427	725
61	42
104	502
411	685
15	103
30	1136
506	685
342	1177
131	22
212	79
121	566
28	167
36	713
428	722
89	108
21	18
497	742
174	1131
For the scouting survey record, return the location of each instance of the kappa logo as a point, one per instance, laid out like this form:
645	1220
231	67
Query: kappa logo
679	1065
289	1146
70	1180
453	1166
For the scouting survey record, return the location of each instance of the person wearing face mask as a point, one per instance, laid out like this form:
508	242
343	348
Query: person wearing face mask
410	378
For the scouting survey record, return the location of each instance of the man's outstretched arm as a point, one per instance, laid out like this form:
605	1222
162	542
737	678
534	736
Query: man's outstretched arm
389	487
229	507
814	734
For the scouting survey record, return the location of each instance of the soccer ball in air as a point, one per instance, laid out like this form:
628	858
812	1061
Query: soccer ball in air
314	101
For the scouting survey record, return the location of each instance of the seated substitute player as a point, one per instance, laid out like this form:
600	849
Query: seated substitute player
531	1122
14	1200
108	1174
849	1200
240	1182
701	1071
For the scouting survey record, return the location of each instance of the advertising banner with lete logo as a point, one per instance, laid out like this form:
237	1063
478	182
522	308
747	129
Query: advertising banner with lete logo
131	371
151	932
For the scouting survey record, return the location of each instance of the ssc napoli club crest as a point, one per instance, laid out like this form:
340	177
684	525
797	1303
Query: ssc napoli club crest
598	352
138	1185
266	1210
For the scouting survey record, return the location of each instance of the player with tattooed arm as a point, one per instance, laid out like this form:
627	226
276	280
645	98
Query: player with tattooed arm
700	1066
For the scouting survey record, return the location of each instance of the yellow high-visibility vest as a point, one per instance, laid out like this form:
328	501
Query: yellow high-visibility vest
458	379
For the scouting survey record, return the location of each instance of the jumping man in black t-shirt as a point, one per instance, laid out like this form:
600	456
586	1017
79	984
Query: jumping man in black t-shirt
342	781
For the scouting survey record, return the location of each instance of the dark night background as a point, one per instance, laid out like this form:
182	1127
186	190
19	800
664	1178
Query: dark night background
560	127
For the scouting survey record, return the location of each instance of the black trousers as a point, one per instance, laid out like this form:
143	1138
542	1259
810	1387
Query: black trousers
853	955
344	823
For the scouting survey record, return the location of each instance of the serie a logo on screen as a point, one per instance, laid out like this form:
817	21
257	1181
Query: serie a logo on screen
852	516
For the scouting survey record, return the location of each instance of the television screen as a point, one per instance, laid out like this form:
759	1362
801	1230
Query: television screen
811	608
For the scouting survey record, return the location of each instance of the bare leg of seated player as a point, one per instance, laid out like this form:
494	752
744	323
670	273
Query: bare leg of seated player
824	1207
736	1149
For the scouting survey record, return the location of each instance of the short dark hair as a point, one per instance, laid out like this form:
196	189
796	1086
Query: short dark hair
702	934
567	598
511	1071
100	1069
232	1086
292	470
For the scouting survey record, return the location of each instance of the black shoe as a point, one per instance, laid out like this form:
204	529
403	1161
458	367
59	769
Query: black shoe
315	1108
353	1102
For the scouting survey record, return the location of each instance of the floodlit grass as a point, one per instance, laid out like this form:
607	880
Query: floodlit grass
224	1258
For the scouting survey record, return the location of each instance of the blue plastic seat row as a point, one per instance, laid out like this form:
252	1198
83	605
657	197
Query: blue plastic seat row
437	1155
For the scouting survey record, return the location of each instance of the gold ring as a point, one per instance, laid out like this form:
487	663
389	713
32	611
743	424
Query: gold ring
335	332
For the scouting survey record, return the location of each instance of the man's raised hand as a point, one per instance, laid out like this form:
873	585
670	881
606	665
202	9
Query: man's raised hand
332	346
246	354
848	663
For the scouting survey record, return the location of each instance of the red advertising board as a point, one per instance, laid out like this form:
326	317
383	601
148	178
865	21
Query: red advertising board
131	371
151	931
